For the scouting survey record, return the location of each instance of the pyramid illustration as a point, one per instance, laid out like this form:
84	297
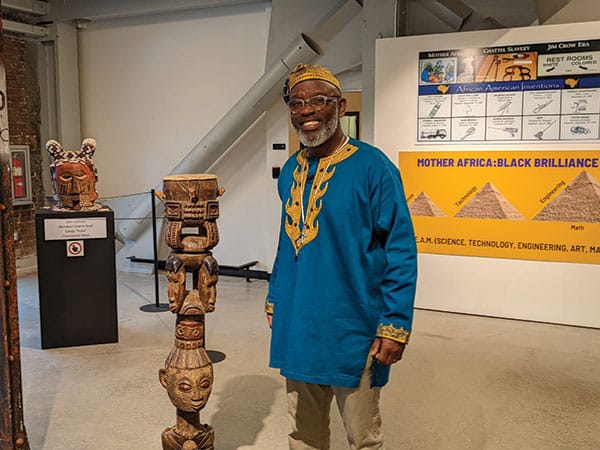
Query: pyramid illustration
424	206
579	202
489	203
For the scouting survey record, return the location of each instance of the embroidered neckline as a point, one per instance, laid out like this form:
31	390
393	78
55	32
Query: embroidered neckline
325	176
301	225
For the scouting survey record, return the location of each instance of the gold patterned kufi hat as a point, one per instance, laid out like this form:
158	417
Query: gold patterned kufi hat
303	72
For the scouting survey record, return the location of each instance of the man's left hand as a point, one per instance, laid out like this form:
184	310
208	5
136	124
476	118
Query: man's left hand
387	351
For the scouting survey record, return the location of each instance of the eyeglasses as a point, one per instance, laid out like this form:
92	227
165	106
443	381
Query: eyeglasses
317	103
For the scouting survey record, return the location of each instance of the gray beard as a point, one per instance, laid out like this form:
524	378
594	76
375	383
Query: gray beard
323	135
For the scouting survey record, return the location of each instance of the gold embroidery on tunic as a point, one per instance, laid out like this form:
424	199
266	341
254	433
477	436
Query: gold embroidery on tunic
293	207
269	307
391	332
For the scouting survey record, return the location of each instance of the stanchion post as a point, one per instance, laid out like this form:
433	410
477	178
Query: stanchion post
157	307
155	249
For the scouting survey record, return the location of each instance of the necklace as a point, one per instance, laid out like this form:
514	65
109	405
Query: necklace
314	187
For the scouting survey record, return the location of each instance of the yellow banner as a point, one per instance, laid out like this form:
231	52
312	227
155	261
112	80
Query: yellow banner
539	205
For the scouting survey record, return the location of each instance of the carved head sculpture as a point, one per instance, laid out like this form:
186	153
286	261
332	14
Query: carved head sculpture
187	377
188	389
74	175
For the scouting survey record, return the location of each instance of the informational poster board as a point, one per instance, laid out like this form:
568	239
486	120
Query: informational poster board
521	92
540	92
499	159
541	205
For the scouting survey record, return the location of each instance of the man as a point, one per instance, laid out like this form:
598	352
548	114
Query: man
341	294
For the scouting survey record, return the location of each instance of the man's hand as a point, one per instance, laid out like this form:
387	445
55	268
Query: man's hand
387	351
270	320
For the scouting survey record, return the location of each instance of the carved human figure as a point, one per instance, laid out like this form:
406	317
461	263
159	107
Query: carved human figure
176	282
188	378
74	176
188	390
207	283
200	300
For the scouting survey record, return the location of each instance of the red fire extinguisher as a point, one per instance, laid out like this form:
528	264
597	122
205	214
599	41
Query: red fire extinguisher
18	178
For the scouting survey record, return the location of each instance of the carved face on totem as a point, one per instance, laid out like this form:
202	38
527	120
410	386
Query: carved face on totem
176	288
207	286
188	389
73	175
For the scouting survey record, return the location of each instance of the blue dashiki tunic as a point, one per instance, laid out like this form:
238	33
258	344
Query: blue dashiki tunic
348	275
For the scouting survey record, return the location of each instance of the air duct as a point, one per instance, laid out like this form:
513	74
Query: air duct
239	118
32	31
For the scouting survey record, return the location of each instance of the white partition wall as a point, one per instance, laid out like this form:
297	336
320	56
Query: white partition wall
565	293
151	89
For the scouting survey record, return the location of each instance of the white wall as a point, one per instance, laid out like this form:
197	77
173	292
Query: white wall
152	87
243	235
543	291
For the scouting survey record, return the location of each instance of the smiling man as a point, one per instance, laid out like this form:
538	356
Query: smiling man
341	294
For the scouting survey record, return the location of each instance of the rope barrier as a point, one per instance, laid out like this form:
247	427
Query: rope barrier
123	195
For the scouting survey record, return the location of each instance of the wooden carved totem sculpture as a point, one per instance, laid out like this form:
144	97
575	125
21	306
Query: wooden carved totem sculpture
190	204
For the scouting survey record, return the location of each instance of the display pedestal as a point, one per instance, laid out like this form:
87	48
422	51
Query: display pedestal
77	277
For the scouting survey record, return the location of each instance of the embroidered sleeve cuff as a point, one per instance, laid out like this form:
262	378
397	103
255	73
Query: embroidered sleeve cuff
269	307
393	333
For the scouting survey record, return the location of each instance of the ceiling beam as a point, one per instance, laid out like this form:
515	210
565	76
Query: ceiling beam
63	10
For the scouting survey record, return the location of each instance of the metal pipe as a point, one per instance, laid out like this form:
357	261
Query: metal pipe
239	118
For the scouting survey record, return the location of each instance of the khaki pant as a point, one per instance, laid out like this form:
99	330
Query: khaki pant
309	407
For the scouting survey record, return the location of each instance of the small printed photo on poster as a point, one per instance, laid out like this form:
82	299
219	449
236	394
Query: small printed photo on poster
431	130
541	103
541	128
468	129
437	71
469	65
508	67
582	127
504	103
561	64
468	105
434	106
505	128
581	101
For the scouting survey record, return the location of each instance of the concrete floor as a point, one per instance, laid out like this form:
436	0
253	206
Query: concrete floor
465	382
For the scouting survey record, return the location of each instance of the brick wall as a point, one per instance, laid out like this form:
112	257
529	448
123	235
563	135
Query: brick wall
23	97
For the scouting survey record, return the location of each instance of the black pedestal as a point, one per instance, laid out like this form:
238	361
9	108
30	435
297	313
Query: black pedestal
77	277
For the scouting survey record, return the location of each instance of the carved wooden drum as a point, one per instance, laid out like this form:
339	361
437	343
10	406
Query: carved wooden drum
191	201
